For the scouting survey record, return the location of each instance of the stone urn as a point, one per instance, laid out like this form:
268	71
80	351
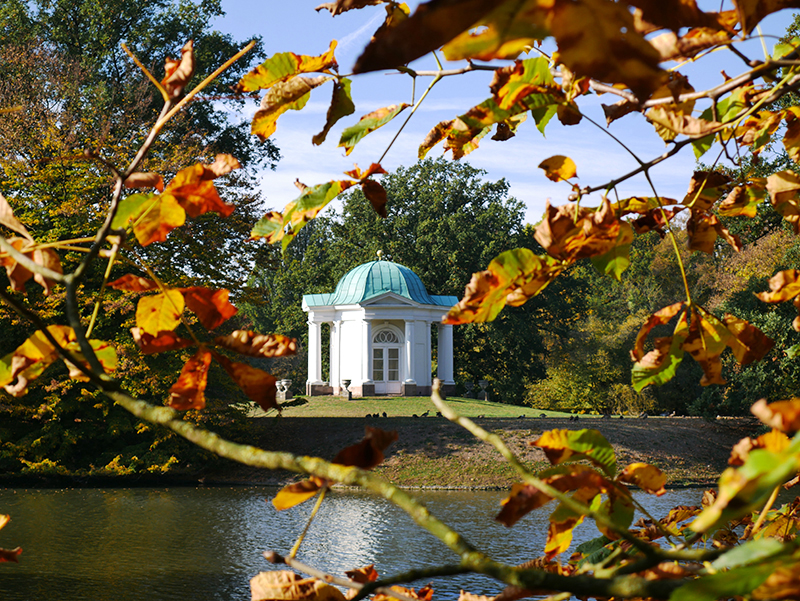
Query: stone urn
483	395
345	391
284	394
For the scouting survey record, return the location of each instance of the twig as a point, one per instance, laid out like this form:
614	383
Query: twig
317	505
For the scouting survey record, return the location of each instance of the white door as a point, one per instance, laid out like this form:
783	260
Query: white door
386	356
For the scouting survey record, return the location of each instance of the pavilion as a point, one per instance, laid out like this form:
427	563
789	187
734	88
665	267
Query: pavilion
380	318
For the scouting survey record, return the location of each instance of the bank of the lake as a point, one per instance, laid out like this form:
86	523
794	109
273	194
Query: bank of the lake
432	452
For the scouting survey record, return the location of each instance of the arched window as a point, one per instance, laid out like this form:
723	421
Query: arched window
385	337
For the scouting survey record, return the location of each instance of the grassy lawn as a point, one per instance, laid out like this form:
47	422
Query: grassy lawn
321	406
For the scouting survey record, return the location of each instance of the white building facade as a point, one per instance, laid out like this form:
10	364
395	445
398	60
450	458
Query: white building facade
381	321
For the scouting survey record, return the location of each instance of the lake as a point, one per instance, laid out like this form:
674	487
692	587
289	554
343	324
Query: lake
135	544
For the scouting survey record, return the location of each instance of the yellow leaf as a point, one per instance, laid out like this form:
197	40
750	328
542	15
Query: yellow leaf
159	312
294	494
558	168
647	477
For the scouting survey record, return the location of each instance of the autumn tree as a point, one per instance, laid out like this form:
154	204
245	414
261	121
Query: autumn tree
602	46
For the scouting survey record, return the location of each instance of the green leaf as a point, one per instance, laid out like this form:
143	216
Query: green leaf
306	207
750	552
723	585
792	351
283	96
130	208
341	106
616	260
284	66
542	115
659	365
368	124
703	145
570	445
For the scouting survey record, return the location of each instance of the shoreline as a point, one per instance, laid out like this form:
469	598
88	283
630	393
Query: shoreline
434	454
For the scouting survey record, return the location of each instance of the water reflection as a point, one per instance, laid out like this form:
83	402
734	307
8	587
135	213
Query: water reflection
206	543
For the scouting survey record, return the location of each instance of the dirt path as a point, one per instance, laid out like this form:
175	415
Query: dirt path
432	452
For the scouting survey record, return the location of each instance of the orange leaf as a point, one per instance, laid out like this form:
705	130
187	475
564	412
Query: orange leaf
18	275
369	452
258	345
299	492
159	312
781	415
8	219
194	191
189	391
133	283
774	441
211	306
140	179
178	73
660	317
747	342
164	341
10	555
374	168
647	477
570	232
363	575
258	385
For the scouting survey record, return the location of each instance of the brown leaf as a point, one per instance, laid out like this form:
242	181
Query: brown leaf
569	232
140	179
258	385
705	188
10	555
660	317
133	283
341	6
618	110
369	452
376	195
363	575
781	415
774	440
783	188
289	586
747	342
680	123
18	275
251	344
432	25
211	306
189	391
164	341
178	73
704	228
8	219
672	47
223	164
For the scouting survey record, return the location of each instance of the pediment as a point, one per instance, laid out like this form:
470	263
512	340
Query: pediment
389	299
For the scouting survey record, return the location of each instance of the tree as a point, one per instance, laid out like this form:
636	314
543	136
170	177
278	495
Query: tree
603	46
444	223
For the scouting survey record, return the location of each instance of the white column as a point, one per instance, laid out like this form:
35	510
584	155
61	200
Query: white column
366	351
444	368
336	364
409	349
428	354
314	352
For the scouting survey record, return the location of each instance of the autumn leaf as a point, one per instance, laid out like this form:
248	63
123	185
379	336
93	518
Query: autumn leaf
363	575
660	364
783	286
504	33
211	306
9	220
647	477
743	200
747	342
154	216
258	385
10	555
18	275
569	445
376	195
774	440
139	179
164	341
368	124
570	232
159	312
292	495
193	190
270	227
369	452
783	188
781	415
284	66
133	283
791	139
680	123
281	97
617	259
341	106
705	188
189	391
289	586
251	344
179	72
558	168
511	278
31	358
432	25
672	47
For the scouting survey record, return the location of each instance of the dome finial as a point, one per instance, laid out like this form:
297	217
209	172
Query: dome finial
380	255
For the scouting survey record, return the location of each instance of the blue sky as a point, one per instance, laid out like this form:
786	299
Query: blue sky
293	25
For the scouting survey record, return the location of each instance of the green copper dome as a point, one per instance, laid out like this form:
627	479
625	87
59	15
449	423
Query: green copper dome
374	279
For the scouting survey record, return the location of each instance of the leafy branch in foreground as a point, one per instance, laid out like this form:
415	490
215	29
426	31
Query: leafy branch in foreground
736	544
